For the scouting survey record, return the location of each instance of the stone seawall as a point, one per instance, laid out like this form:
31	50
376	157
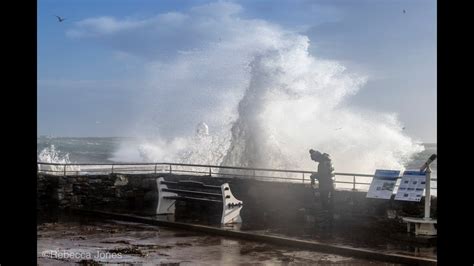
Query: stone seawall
288	206
130	193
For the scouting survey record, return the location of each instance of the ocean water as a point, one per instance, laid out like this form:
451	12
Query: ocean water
78	150
103	150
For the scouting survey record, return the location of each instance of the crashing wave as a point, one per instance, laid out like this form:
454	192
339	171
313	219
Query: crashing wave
51	155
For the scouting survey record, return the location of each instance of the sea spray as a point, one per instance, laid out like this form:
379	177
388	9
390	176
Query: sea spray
296	102
266	100
52	155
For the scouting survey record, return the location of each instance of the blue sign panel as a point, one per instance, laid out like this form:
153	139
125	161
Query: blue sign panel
412	186
383	184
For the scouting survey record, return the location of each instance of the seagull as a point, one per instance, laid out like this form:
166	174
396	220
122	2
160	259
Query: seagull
60	18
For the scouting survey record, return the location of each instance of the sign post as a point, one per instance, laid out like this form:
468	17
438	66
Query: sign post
428	193
425	225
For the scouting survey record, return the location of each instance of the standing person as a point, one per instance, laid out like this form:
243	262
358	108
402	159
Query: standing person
325	178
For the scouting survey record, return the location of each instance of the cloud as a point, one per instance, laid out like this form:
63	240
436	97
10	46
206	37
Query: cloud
107	26
198	17
103	26
166	35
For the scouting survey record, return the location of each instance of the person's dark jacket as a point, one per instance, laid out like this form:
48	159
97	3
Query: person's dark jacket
325	175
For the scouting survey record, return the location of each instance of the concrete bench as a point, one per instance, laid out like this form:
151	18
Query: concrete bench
187	190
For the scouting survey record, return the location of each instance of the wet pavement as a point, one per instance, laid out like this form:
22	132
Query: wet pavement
91	241
402	245
386	241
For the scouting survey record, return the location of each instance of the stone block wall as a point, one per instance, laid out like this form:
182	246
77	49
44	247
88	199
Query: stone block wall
114	192
266	204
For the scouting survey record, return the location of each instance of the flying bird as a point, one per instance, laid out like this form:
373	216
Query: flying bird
404	11
60	19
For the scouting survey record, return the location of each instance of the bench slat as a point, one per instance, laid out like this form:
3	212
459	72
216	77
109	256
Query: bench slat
192	192
191	198
190	183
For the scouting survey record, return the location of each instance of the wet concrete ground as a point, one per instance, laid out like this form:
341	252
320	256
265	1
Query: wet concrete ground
385	241
402	245
91	241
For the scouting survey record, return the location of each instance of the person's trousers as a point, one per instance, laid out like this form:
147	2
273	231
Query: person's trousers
327	201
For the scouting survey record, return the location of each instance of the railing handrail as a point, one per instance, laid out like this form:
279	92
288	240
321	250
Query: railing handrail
204	166
208	166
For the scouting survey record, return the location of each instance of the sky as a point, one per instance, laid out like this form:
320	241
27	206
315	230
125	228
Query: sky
92	66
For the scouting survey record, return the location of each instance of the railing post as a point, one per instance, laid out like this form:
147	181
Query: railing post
155	167
112	171
170	169
303	178
210	171
353	182
65	165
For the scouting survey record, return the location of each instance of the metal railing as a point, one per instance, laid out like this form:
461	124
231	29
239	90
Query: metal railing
342	180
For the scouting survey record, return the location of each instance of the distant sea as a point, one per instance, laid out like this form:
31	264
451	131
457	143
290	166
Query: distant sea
82	150
101	150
